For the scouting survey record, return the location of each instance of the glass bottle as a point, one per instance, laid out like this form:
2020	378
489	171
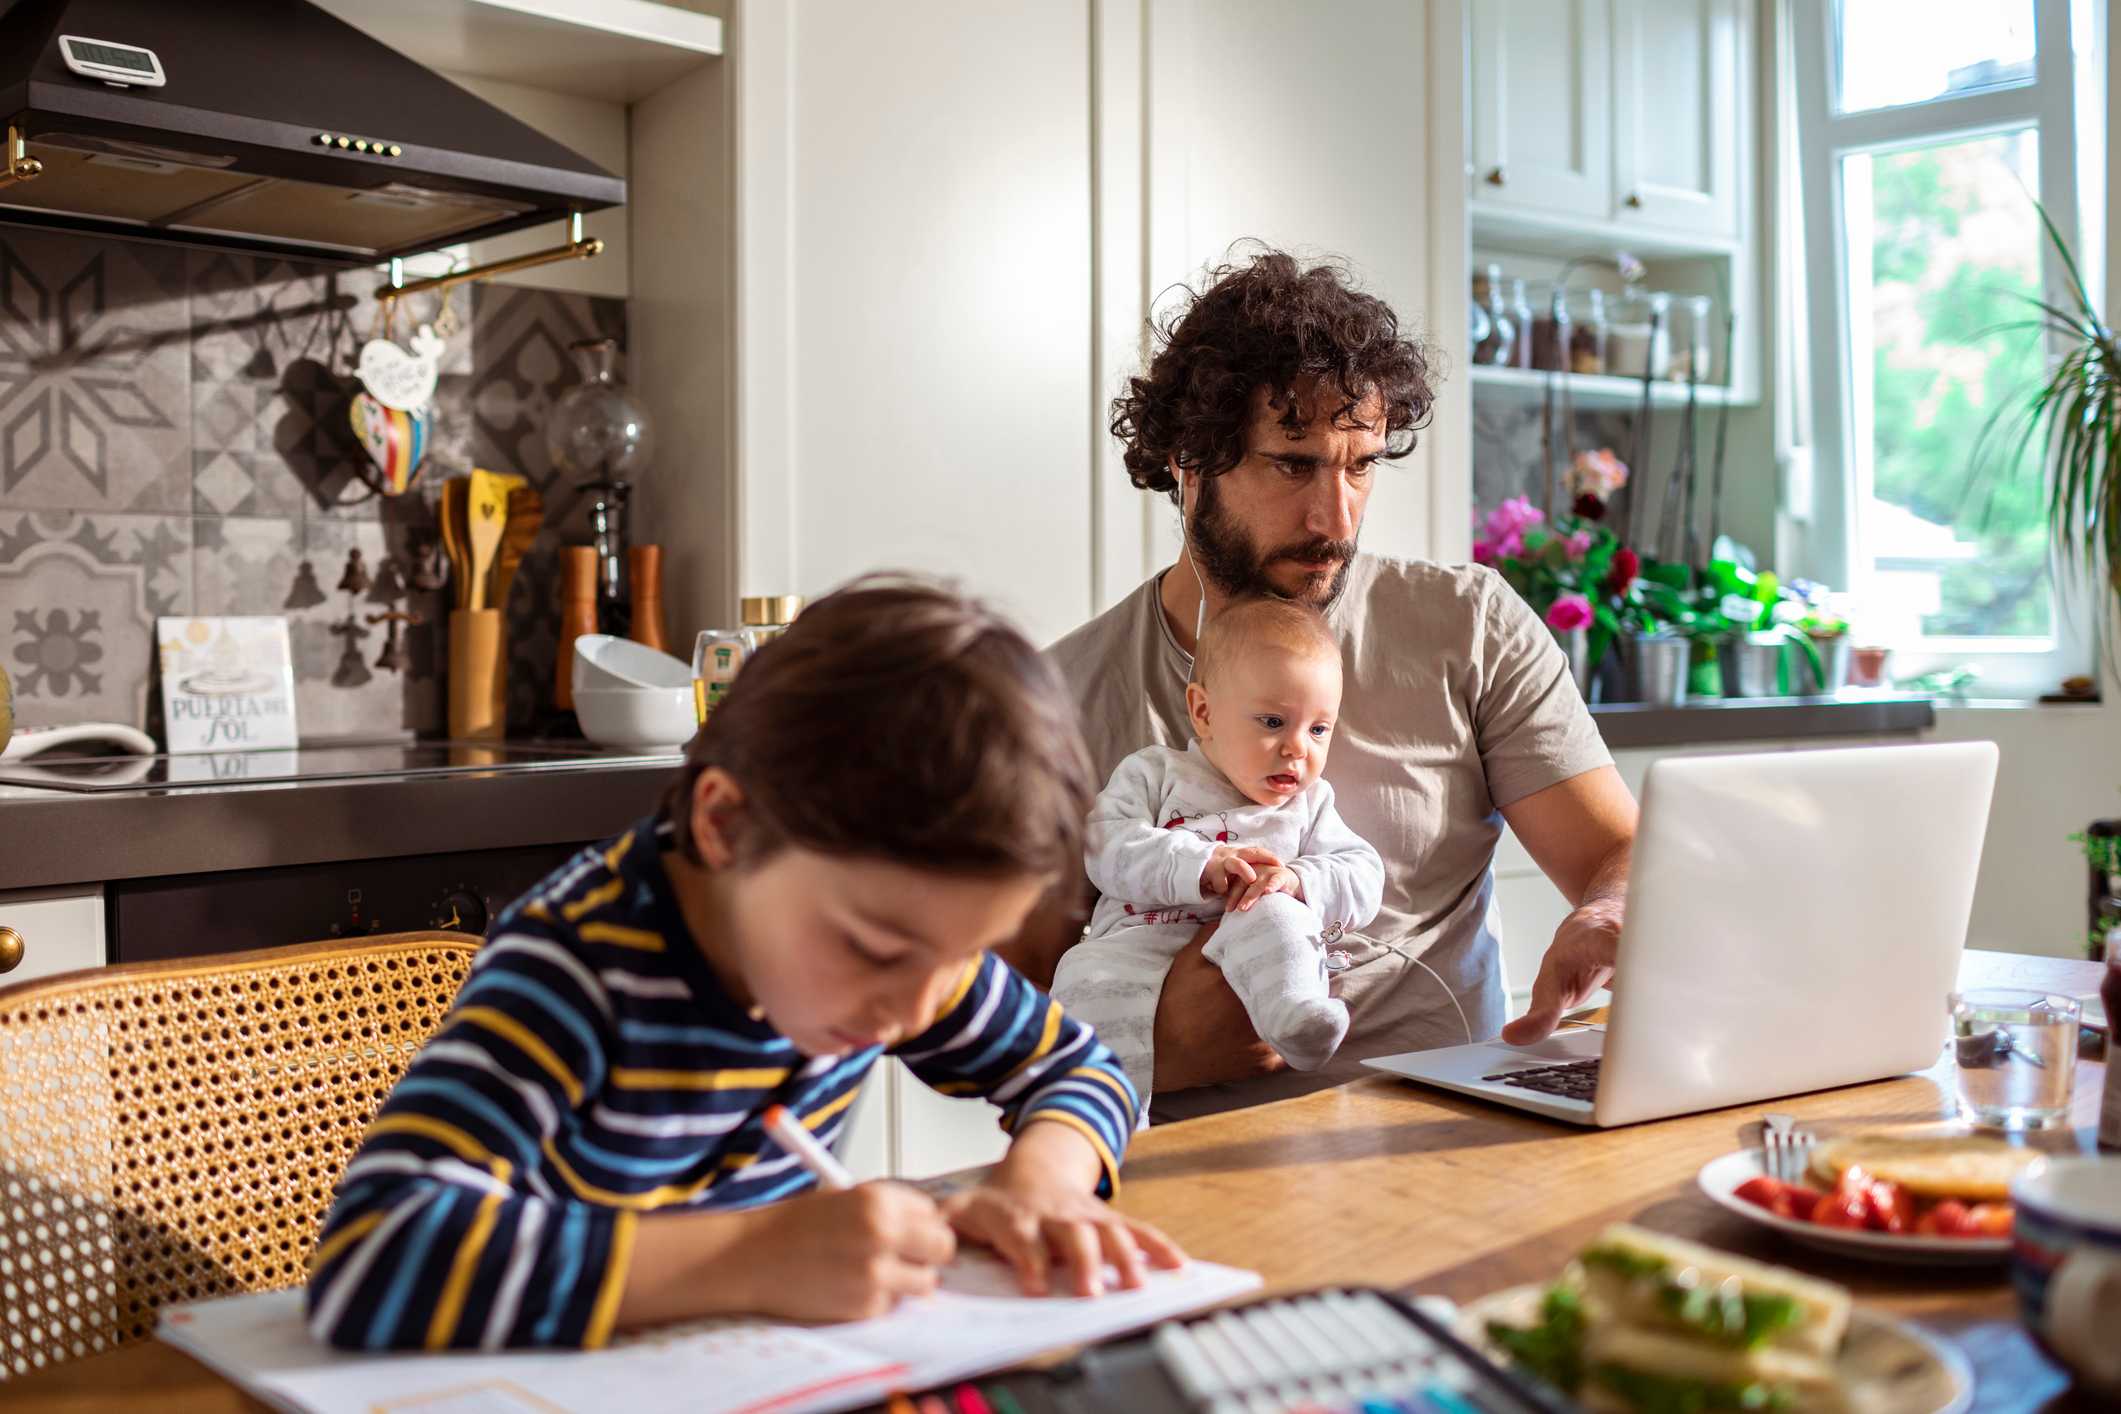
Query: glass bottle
1487	298
1587	336
2110	997
1548	348
1640	335
1693	356
599	435
1520	308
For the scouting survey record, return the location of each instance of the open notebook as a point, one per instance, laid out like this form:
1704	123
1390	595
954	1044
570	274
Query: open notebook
977	1322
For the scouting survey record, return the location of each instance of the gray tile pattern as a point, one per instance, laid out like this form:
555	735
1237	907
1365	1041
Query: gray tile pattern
174	439
1508	459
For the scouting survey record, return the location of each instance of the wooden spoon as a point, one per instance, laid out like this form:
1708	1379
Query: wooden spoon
455	544
526	516
488	514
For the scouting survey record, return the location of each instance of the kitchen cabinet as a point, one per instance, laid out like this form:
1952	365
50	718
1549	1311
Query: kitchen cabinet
1613	116
1541	98
902	1129
53	930
1679	90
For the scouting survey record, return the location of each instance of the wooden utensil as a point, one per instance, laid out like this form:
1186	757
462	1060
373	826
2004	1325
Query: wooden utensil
486	518
526	516
456	493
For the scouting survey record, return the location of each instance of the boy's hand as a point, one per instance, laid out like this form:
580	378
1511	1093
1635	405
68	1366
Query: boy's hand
1036	1209
1275	879
846	1255
1232	866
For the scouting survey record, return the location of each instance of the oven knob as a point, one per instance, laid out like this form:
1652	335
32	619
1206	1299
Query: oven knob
461	910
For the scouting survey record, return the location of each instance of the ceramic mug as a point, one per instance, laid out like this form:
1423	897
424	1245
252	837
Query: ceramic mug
2066	1263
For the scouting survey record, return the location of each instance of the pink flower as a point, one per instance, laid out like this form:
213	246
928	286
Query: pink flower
1484	552
1569	611
1579	544
1598	474
1508	522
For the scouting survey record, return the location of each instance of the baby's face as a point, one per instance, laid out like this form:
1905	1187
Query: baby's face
1268	721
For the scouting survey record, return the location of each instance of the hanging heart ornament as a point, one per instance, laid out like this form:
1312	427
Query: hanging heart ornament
394	439
402	378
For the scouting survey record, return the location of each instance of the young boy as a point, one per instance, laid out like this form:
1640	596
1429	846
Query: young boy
1241	824
580	1150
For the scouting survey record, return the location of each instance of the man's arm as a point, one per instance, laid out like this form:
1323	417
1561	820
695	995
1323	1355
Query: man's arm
1581	833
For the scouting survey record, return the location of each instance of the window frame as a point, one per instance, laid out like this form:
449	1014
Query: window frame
1842	462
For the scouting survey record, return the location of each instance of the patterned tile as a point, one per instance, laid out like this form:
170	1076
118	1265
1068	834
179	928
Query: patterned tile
78	598
339	690
1507	457
520	365
94	409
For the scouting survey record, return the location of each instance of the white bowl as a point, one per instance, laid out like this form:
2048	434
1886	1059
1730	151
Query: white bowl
602	661
636	716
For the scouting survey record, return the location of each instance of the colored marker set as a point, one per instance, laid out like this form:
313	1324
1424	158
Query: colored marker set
1328	1352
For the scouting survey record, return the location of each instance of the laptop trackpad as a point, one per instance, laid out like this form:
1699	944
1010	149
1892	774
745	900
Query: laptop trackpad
1567	1046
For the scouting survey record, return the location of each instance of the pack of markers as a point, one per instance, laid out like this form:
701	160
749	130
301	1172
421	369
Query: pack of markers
1327	1352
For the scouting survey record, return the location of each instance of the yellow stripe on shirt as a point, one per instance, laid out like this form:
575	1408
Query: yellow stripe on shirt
1045	1043
459	1143
637	1202
616	1267
442	1328
617	852
964	985
1108	1079
619	935
344	1238
629	1078
528	1042
823	1113
595	899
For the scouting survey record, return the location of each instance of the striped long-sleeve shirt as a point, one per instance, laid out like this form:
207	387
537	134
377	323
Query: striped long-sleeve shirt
591	1070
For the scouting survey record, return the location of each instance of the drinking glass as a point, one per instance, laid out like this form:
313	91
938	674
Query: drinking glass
2017	1056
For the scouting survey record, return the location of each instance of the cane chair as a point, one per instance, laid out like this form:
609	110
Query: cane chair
174	1130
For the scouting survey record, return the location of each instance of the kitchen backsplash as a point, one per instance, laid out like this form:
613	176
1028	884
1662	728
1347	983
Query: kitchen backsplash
174	440
1508	459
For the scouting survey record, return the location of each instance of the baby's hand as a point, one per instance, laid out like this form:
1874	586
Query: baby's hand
1273	879
1233	866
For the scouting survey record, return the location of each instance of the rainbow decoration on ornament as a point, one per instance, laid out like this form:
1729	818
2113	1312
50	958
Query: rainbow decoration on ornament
395	441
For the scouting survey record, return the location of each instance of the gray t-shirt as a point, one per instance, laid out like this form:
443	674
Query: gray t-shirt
1456	702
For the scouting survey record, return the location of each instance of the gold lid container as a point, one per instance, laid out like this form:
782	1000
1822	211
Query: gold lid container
769	610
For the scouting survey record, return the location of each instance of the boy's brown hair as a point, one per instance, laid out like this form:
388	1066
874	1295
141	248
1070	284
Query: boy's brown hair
899	720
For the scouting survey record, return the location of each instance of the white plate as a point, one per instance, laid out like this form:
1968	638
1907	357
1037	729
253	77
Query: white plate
1720	1179
1885	1363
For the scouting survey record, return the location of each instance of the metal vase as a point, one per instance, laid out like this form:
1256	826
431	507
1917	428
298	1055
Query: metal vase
1575	645
1658	664
1752	665
1833	661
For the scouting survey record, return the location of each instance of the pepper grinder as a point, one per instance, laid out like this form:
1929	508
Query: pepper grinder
644	575
578	615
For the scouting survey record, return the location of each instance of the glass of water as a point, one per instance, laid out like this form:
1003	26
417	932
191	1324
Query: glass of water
2017	1056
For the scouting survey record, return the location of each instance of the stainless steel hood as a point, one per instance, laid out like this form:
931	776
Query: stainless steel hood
277	128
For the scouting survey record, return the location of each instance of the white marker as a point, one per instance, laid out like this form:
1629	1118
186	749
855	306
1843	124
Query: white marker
788	1132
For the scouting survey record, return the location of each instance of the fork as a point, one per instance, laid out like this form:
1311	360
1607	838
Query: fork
1785	1150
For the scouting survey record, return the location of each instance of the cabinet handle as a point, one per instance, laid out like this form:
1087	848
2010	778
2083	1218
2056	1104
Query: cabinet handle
1496	177
11	949
1634	198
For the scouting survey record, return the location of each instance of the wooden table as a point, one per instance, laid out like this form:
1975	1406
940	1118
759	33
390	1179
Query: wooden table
1383	1183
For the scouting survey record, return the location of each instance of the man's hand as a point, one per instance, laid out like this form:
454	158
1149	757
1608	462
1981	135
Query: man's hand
1203	1036
1232	866
1577	963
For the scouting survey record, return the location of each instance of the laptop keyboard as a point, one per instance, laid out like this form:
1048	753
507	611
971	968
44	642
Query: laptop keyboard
1577	1080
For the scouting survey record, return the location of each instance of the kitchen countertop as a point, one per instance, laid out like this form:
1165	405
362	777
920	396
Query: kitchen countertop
1711	720
57	838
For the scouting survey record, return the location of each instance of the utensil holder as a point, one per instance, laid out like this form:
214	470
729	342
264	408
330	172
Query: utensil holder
478	669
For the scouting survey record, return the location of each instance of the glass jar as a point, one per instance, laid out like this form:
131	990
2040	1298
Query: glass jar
1693	341
1502	332
1548	348
1587	335
1639	338
598	430
1520	308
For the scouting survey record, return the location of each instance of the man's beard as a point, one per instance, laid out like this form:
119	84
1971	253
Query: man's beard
1223	553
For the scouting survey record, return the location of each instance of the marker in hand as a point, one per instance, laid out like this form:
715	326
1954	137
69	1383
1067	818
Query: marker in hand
788	1132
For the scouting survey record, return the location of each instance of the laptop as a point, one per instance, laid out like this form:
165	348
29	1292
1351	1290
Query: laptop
1794	922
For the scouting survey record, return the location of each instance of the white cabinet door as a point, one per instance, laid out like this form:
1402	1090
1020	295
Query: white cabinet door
60	931
1679	89
1542	106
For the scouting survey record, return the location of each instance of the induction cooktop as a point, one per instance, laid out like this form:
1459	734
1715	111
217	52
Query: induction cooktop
392	760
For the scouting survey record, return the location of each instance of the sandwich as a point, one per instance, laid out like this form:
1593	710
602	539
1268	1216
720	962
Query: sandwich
1645	1322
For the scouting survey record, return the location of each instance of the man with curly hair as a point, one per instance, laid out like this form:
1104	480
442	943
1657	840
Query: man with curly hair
1274	399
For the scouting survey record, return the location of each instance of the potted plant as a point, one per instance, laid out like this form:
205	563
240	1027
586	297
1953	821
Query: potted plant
1562	569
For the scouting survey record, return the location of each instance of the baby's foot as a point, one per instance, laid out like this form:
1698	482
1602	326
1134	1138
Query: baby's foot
1307	1031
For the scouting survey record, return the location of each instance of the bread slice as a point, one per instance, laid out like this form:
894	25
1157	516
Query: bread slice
1630	1275
1971	1167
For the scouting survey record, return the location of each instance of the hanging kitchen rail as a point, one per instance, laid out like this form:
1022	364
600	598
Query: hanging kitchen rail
20	166
577	248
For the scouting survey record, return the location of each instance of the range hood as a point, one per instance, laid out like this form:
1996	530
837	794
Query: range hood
276	128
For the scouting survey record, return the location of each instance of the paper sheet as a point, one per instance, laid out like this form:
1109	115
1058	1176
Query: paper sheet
976	1322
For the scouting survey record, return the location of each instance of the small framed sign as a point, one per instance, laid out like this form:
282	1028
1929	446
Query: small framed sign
227	684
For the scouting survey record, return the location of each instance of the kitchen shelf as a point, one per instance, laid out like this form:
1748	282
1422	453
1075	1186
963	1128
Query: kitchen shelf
617	51
1599	390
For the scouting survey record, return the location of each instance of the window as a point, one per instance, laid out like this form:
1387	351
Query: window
1925	129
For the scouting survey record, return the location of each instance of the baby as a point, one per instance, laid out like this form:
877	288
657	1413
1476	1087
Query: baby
1240	824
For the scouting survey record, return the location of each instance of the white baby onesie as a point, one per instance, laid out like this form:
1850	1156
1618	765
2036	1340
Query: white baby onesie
1155	824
